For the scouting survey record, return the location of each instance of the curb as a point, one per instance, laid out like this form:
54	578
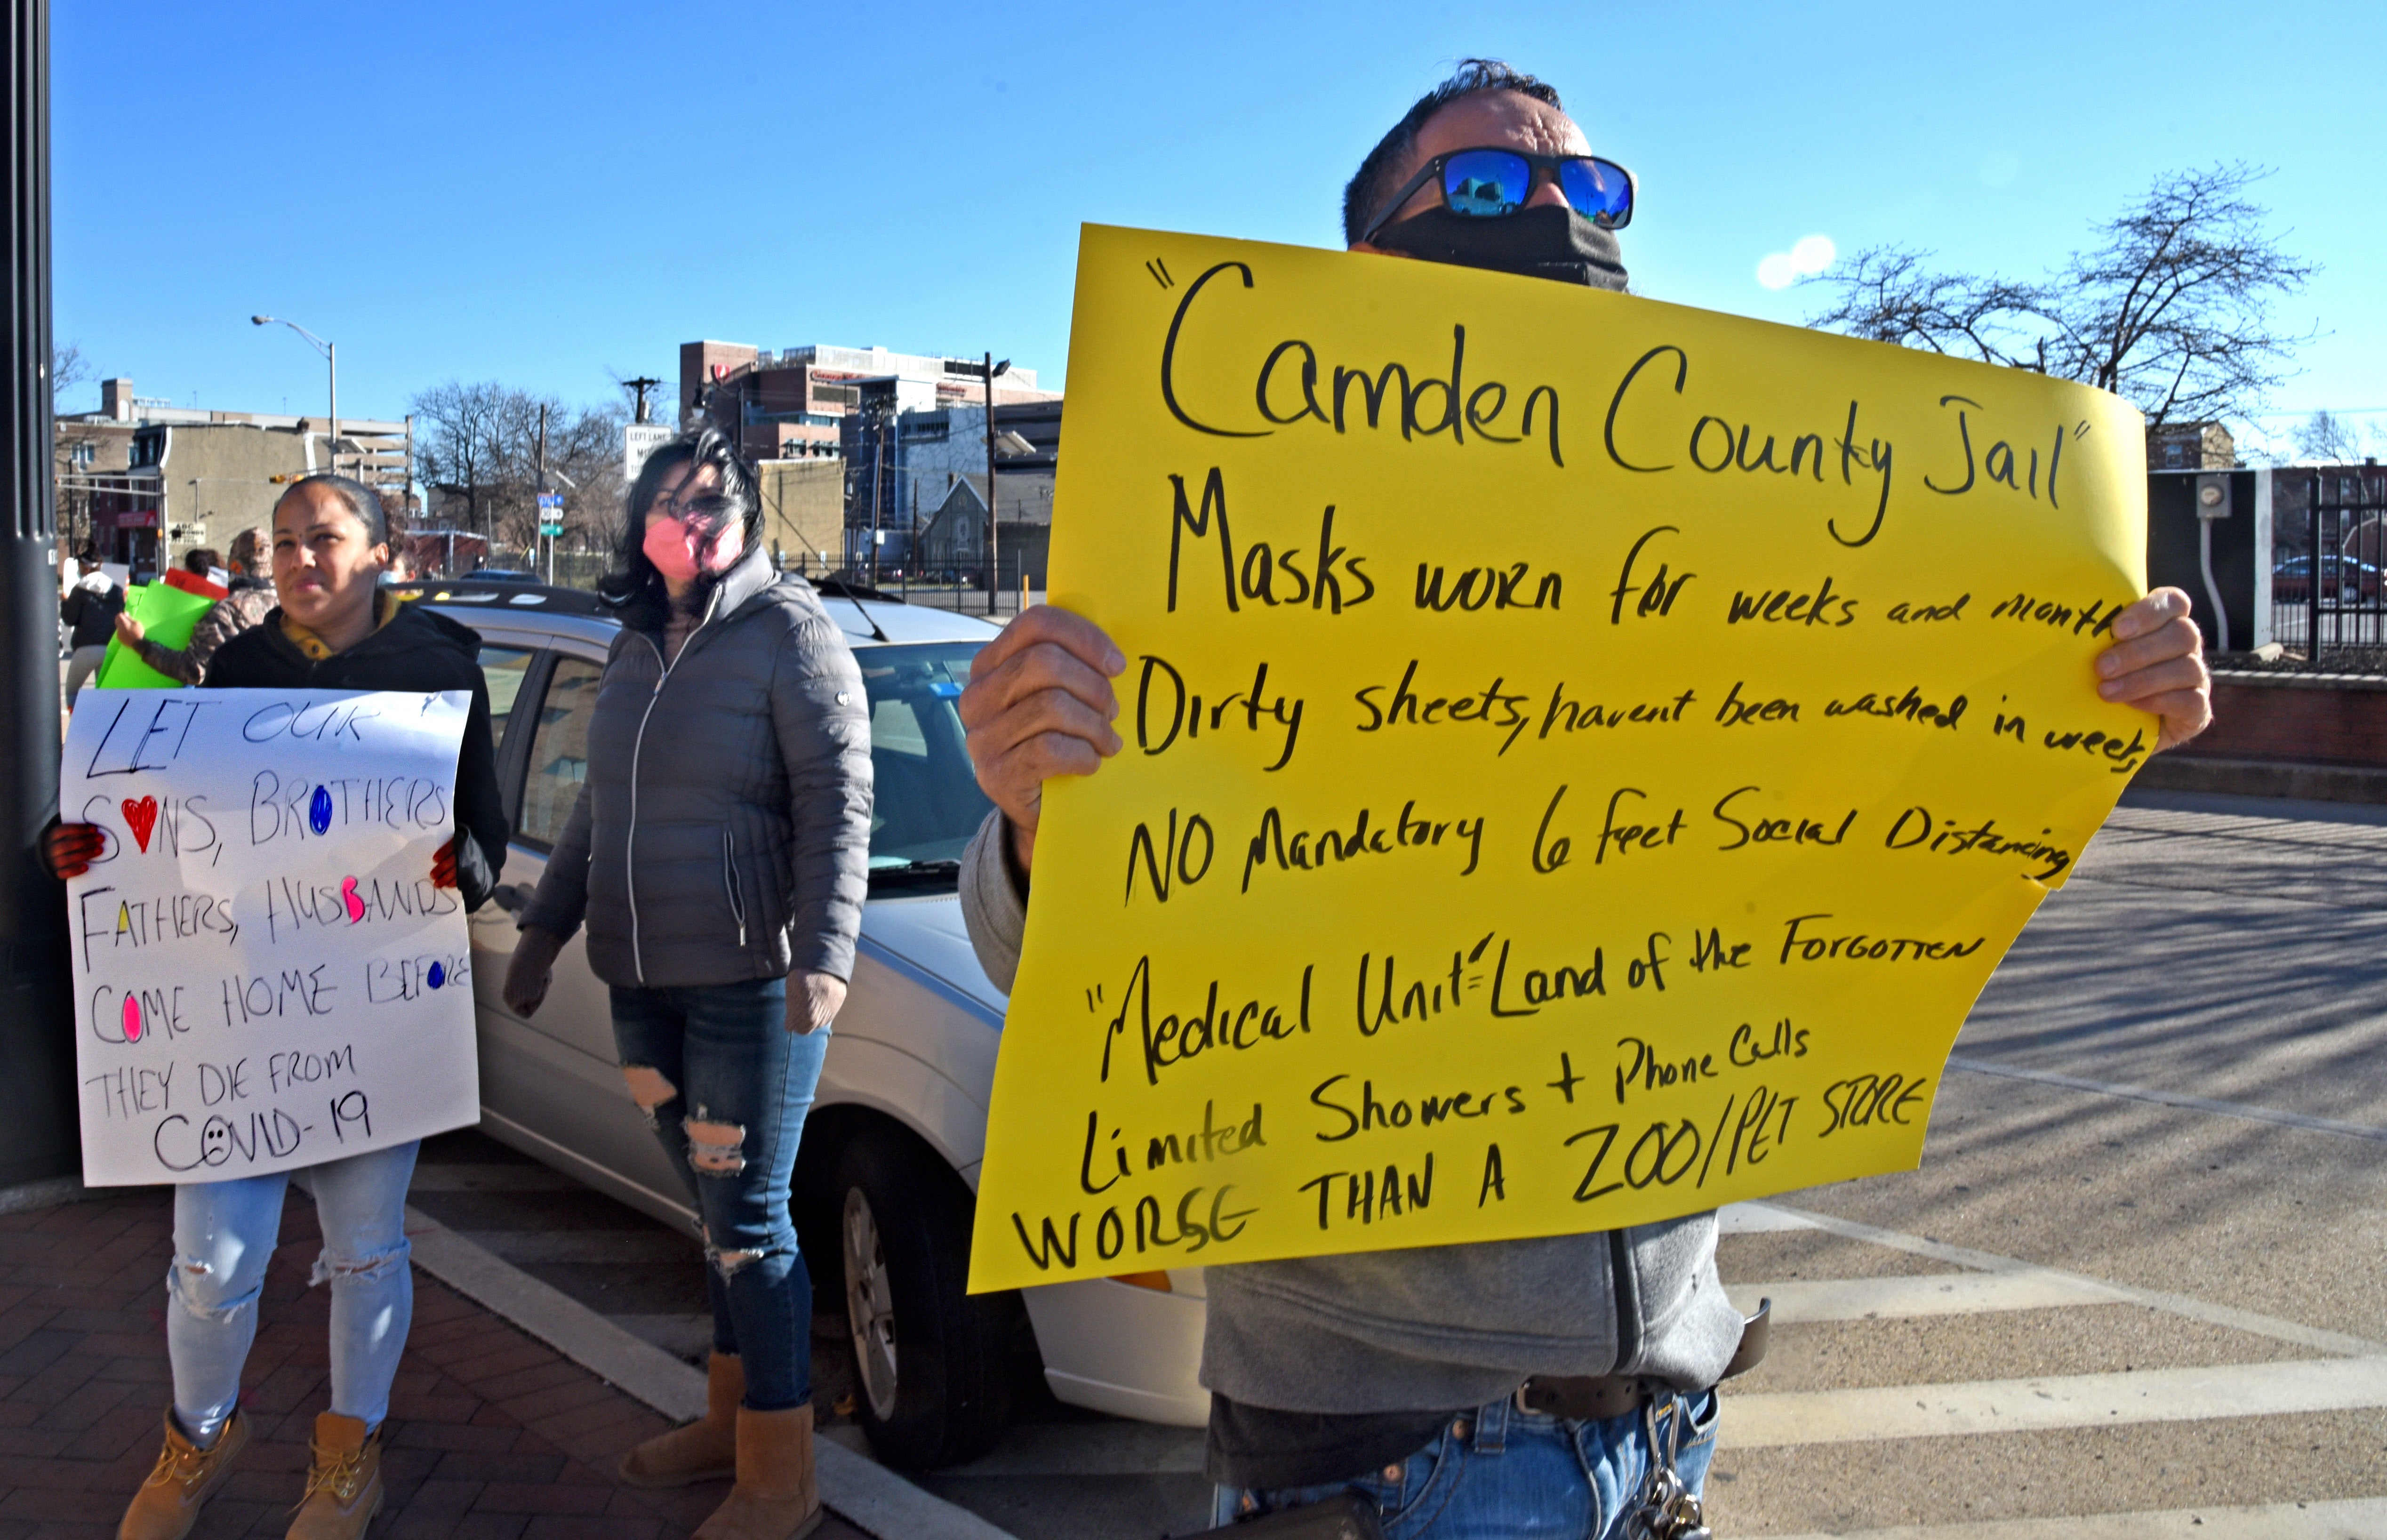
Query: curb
2289	779
45	1194
862	1492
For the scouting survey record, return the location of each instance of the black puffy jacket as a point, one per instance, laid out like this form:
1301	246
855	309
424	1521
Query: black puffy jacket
416	650
724	830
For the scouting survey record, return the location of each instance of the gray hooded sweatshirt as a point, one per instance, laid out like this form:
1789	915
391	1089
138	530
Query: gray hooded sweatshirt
1435	1328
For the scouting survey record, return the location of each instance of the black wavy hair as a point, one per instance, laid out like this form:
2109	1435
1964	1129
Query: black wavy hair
1380	174
634	588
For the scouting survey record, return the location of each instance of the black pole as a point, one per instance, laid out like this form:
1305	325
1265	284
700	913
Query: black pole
2312	558
993	563
37	1101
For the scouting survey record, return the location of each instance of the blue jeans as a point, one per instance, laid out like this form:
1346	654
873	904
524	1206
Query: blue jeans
729	1107
224	1233
1499	1473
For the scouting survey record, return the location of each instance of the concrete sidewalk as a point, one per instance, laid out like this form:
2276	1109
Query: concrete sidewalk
492	1434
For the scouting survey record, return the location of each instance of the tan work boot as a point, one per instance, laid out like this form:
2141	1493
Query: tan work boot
342	1481
775	1497
168	1504
706	1449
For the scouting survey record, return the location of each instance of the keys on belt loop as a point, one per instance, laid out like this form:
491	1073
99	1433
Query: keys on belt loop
1666	1510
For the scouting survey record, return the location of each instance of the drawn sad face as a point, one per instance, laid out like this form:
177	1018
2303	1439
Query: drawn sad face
215	1142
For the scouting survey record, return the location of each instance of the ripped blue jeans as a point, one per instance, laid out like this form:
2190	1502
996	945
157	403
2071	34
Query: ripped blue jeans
726	1086
224	1233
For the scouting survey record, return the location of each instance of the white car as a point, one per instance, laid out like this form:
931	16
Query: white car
891	1152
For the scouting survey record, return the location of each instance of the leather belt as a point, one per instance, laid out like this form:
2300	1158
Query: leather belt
1600	1398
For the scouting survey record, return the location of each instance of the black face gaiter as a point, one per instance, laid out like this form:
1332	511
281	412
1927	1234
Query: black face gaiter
1548	242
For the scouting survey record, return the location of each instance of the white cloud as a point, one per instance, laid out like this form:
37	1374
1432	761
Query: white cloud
1781	269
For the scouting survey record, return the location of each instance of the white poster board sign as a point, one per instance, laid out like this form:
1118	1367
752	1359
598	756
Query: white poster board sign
639	441
265	977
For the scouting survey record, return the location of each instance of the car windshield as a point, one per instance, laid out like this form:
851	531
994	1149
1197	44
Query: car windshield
928	804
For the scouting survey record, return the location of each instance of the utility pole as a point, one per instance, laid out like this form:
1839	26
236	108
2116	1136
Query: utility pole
38	1139
993	563
541	525
642	386
877	468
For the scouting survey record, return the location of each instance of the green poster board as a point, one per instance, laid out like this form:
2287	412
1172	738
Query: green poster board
169	615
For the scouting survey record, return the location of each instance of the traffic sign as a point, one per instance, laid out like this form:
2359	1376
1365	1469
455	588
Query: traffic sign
640	440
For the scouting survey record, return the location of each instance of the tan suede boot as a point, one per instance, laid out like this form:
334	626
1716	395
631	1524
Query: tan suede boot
168	1504
775	1497
343	1482
706	1449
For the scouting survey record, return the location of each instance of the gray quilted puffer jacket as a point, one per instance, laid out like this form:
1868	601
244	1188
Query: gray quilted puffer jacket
724	830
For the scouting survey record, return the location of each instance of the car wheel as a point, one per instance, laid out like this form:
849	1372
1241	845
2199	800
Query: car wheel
931	1362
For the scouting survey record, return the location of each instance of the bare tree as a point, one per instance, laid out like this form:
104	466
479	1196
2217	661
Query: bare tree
2328	438
68	368
2170	311
479	445
454	443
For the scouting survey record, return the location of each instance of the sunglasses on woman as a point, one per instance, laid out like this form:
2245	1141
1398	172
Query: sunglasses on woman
1492	184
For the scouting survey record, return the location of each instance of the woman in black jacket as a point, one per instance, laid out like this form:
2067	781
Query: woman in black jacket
718	856
335	629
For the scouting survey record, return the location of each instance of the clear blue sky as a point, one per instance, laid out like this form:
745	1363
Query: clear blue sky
539	193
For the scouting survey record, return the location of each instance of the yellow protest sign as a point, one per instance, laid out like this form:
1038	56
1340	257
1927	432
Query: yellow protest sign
1583	757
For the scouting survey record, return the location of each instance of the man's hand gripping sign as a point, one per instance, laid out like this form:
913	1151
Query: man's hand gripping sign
1581	757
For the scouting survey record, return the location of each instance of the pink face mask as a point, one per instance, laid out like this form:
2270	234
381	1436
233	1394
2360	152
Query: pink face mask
682	548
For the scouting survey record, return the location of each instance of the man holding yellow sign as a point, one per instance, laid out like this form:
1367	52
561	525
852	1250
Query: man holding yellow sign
1580	759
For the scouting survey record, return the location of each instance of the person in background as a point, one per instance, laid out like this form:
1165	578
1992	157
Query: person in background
1542	1386
197	575
334	629
89	614
722	876
245	607
249	568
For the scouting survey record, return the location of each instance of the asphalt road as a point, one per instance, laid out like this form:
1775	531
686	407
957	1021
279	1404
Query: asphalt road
2135	1292
2221	952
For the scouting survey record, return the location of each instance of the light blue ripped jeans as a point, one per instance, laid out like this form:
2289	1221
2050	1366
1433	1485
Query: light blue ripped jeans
224	1233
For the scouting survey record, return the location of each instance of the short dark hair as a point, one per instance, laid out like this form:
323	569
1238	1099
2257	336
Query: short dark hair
634	588
363	500
201	562
1378	175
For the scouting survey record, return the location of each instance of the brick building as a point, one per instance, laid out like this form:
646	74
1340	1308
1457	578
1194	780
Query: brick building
794	404
143	479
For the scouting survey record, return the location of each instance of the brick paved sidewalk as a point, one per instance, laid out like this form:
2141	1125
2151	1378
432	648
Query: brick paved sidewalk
491	1434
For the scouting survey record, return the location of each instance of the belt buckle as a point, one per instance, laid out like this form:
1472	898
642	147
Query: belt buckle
1518	1397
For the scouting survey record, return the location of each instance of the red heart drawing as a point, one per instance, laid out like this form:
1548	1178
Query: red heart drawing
142	816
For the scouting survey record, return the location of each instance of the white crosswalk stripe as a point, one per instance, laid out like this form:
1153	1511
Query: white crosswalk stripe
2342	1373
1951	1293
1868	1413
2349	1519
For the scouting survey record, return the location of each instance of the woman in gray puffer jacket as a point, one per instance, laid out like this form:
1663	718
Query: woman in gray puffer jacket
718	854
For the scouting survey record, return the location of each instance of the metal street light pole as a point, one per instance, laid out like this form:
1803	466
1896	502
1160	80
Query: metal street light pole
37	1086
331	351
558	474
